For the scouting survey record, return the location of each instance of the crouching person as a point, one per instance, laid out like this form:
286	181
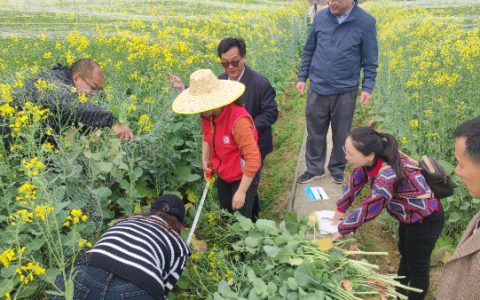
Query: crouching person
140	257
401	189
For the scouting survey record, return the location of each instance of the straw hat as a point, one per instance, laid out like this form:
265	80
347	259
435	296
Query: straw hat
206	92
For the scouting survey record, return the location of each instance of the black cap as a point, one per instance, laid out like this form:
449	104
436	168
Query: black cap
170	204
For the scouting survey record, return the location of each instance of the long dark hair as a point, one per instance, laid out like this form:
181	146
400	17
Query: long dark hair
367	140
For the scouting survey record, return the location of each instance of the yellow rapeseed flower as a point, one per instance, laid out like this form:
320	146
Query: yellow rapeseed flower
24	216
48	147
82	97
42	211
76	216
149	100
6	110
7	256
29	271
6	92
33	166
40	85
78	41
34	70
82	243
414	123
70	57
27	192
131	107
145	123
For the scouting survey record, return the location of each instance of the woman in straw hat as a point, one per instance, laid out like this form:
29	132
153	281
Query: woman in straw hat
229	144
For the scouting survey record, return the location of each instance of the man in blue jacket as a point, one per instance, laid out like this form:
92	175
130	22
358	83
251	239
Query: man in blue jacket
341	42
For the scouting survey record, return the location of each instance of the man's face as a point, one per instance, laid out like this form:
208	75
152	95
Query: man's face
89	85
233	63
467	168
340	7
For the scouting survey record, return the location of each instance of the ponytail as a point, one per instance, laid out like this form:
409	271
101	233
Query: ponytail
391	154
384	145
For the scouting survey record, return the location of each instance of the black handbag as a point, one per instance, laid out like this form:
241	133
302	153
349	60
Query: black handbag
439	181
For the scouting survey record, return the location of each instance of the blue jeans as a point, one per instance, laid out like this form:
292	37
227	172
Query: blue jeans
92	283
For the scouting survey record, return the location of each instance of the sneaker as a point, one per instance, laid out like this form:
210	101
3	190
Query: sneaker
308	177
338	179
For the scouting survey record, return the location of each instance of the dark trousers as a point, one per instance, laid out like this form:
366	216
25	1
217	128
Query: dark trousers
256	203
415	244
321	111
226	190
92	283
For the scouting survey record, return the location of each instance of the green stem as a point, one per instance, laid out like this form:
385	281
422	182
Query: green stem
364	253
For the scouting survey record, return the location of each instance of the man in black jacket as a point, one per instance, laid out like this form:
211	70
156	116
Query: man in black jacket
68	100
258	98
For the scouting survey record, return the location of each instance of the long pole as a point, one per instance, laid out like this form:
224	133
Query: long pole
199	211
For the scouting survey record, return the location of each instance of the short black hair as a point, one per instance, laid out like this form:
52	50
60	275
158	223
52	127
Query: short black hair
229	43
470	130
84	67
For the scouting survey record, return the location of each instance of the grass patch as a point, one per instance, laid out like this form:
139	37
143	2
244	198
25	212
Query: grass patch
279	169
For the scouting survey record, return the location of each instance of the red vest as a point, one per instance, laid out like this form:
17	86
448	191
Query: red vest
227	161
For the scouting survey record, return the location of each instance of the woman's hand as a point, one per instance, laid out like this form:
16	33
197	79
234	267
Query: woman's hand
238	200
338	217
207	170
337	236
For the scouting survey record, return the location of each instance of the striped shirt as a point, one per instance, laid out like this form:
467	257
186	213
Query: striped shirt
140	250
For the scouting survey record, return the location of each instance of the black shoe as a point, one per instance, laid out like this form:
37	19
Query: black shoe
338	179
308	177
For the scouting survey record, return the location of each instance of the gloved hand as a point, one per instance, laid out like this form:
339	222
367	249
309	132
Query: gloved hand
208	171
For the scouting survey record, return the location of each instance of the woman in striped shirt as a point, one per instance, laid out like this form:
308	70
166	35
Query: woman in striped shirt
140	257
399	188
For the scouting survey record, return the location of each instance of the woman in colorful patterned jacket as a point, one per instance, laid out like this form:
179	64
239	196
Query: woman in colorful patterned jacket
395	184
229	143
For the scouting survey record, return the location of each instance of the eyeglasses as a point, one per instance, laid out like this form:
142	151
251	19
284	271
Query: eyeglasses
95	89
347	154
234	63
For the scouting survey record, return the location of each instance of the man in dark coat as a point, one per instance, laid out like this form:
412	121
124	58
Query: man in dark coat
258	98
68	100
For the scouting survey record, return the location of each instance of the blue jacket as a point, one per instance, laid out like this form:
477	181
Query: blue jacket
334	53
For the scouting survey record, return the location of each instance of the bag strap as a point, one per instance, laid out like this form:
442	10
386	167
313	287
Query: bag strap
424	196
416	163
428	163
